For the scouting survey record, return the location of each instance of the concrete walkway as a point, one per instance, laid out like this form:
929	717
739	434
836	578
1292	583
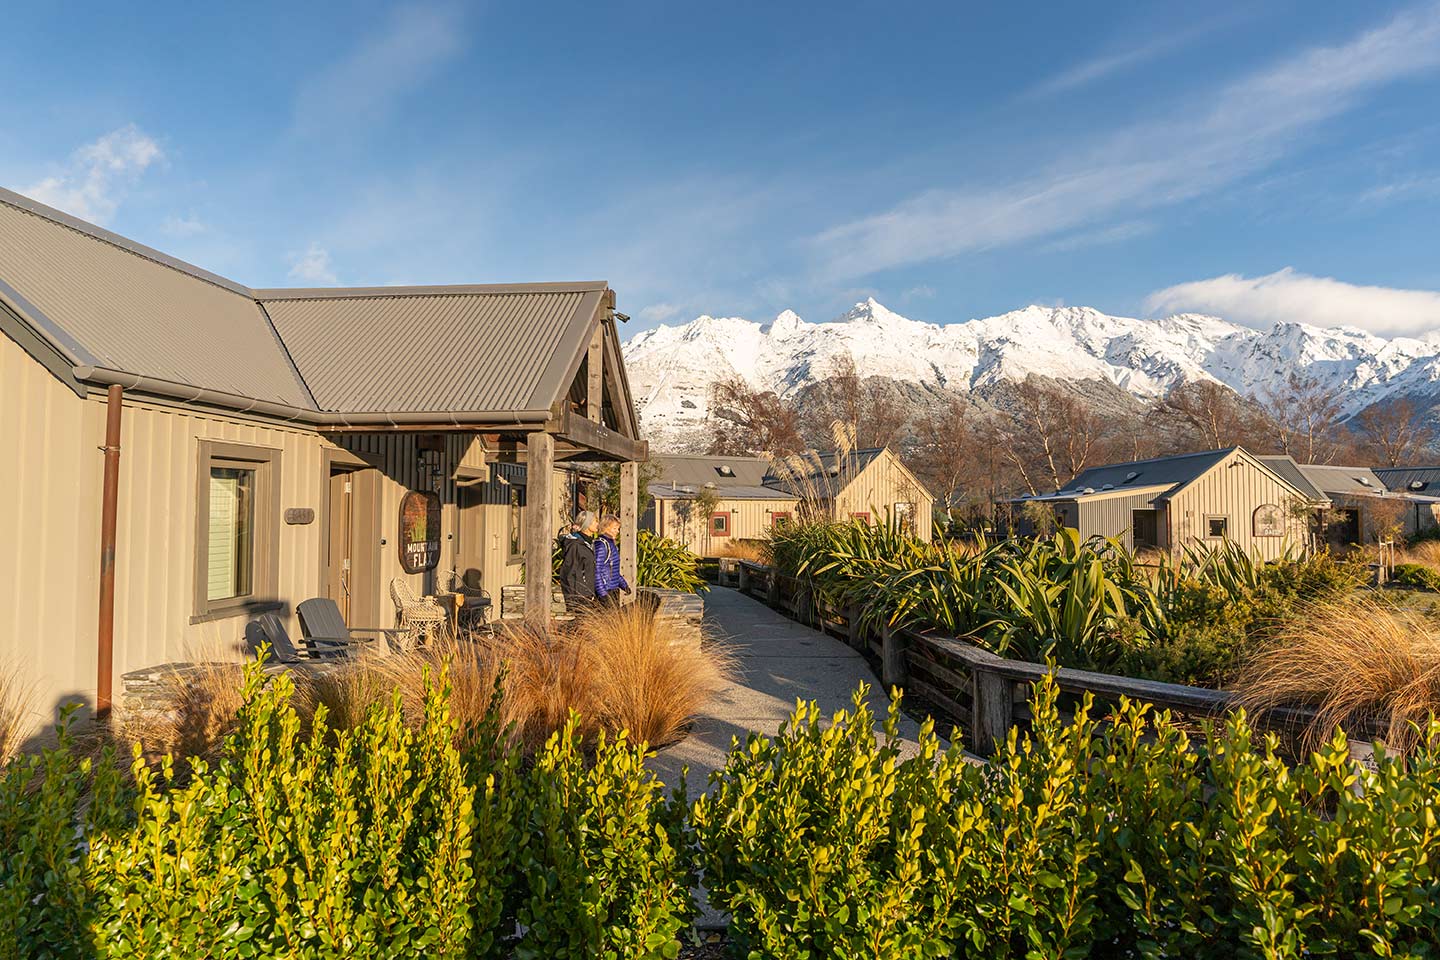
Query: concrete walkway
779	661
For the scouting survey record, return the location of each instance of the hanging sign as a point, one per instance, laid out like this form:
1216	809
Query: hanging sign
1269	520
419	531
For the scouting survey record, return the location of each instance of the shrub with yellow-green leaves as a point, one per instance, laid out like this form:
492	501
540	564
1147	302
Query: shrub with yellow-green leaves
606	855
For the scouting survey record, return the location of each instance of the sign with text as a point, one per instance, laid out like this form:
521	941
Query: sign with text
419	531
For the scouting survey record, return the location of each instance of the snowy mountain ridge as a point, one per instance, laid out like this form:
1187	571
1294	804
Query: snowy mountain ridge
672	368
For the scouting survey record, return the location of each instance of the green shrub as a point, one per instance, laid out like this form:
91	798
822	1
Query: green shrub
605	855
822	842
667	564
1417	577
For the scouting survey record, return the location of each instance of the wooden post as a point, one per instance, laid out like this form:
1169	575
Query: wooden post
109	509
629	523
892	657
742	578
539	524
852	626
595	382
772	589
993	711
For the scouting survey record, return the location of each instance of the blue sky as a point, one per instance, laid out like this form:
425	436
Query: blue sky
953	160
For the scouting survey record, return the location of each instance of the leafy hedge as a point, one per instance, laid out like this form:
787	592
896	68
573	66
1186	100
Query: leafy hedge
666	563
1079	840
1084	603
1417	576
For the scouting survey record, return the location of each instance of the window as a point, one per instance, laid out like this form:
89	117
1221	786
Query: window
904	514
516	522
237	502
1217	528
779	520
720	524
863	516
725	470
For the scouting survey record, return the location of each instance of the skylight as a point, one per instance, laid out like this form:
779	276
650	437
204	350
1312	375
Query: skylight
725	470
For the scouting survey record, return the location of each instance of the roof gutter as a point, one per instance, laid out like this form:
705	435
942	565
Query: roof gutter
185	393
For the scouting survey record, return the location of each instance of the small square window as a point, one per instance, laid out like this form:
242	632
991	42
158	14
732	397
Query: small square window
1217	528
779	520
720	525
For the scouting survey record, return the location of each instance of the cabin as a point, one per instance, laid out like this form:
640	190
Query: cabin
1363	508
744	507
752	495
1194	500
184	453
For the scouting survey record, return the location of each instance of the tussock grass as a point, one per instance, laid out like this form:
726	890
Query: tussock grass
1355	661
640	680
752	550
1425	552
16	702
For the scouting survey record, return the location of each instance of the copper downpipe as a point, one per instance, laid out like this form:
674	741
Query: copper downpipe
108	508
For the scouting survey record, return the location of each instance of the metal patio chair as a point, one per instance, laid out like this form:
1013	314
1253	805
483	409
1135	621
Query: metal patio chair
474	612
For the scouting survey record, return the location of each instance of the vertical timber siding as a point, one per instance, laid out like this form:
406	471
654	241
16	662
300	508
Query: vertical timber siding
1233	488
1113	516
882	484
749	520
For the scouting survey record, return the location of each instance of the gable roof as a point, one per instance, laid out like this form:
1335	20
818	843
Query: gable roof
682	471
828	473
1410	479
110	310
1294	474
1355	481
674	491
1170	472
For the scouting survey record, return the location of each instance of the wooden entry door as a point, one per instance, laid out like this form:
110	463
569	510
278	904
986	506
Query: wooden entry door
470	547
340	558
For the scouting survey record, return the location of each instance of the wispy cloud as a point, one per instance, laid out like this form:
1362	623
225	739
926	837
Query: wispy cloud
364	87
1241	129
189	226
313	266
1098	68
919	292
659	312
1288	296
95	179
1117	233
1411	186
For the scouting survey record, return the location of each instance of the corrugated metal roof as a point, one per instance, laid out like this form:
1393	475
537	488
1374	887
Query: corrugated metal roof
1174	470
671	491
141	314
697	471
1294	474
107	302
1353	481
827	472
1424	480
435	350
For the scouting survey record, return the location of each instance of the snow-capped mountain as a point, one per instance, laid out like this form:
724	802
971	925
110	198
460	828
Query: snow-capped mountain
672	368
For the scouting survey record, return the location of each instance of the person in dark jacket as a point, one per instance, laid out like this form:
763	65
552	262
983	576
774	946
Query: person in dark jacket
577	563
609	583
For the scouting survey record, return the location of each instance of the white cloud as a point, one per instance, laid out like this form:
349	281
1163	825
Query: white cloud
1288	296
189	226
366	85
921	292
1118	233
659	312
313	267
1241	129
95	179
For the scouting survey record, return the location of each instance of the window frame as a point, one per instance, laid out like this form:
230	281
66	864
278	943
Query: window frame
720	515
265	547
778	517
861	515
1224	520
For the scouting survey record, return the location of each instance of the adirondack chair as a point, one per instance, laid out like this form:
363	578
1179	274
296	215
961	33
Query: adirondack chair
270	629
327	635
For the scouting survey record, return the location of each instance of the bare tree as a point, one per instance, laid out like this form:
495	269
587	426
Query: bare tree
1212	414
1304	416
844	396
1393	432
1051	436
749	422
944	452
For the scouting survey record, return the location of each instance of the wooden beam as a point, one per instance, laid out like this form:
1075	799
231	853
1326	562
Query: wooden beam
539	524
595	368
629	522
594	436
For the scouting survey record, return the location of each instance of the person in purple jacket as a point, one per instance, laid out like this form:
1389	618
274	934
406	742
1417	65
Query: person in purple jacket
609	584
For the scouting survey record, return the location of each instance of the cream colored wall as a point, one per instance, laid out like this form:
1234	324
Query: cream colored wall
749	519
876	490
1234	492
50	521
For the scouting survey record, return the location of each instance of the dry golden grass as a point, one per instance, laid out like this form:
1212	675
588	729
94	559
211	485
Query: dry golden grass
752	550
1425	553
15	712
201	705
1352	661
640	680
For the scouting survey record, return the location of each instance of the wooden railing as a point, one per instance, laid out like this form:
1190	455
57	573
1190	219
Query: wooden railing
985	695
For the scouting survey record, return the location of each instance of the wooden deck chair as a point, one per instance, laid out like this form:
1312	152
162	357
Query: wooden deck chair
269	628
327	635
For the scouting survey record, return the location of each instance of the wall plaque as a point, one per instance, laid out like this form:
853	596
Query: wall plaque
299	516
1269	520
419	531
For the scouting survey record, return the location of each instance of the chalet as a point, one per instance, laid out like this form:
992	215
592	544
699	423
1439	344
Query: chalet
1363	508
1195	499
751	495
184	453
